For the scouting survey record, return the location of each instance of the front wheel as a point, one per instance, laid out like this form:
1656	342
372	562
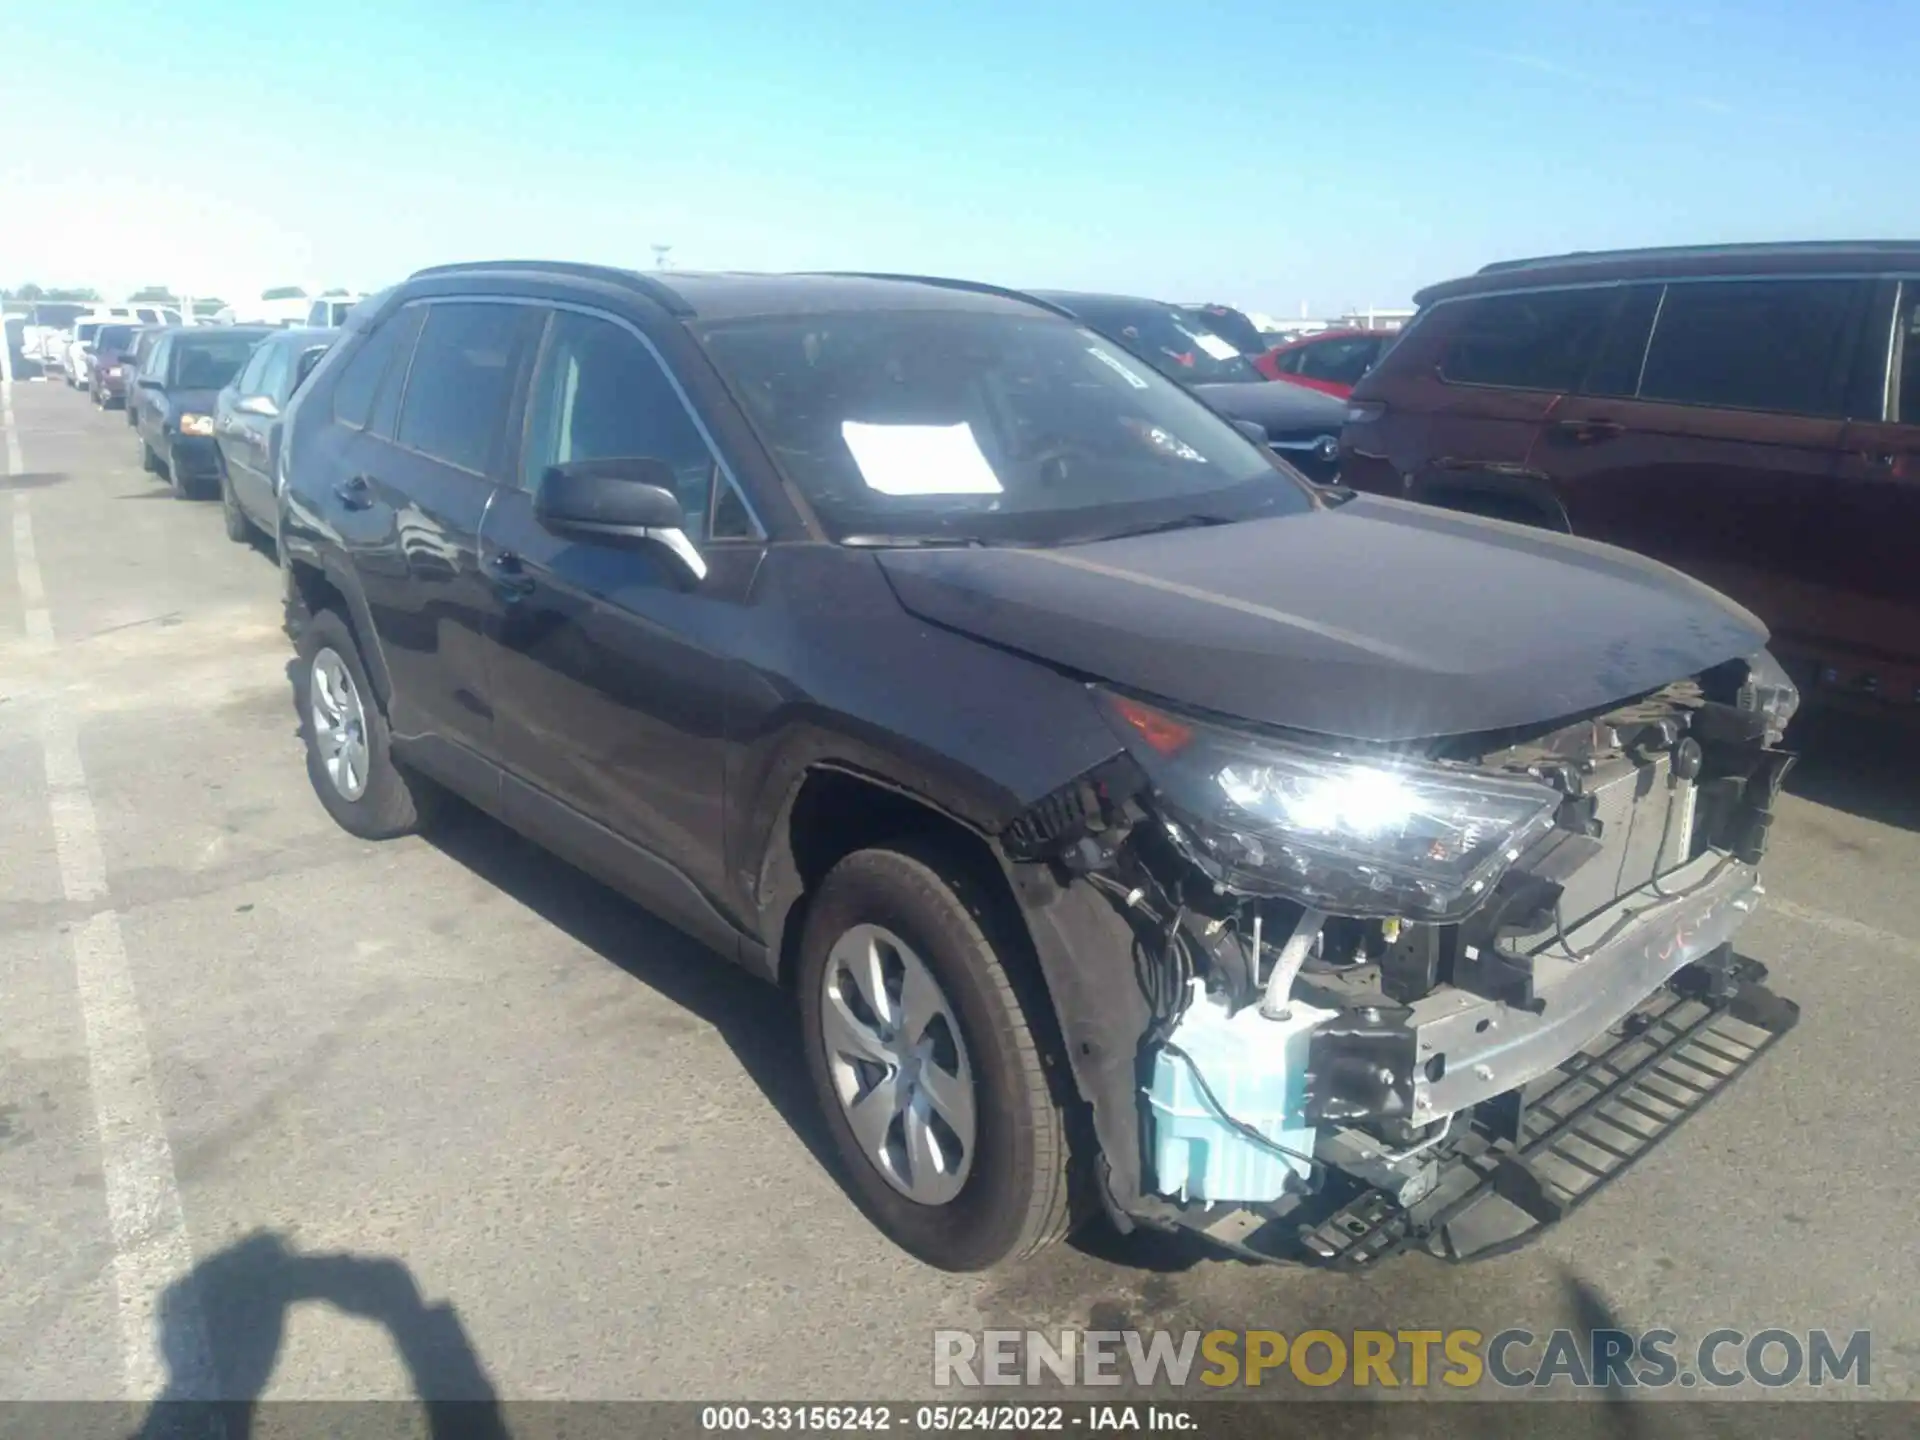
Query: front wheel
929	1063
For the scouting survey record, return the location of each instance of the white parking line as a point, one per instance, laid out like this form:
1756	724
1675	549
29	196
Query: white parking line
1852	929
153	1254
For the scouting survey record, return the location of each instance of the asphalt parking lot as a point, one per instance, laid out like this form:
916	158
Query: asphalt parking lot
445	1116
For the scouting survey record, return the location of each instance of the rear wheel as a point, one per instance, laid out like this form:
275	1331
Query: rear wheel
239	528
149	461
926	1060
349	754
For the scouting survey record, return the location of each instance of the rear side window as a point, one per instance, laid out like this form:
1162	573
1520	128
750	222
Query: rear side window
461	381
1907	358
1778	345
359	379
1340	362
1541	340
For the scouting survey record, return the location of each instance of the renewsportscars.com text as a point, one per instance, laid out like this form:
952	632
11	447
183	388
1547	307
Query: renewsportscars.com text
1414	1359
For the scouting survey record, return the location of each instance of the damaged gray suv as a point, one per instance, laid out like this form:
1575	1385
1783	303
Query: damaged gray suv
1142	829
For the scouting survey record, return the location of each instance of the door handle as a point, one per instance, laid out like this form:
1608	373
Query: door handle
508	575
1881	459
1588	432
355	494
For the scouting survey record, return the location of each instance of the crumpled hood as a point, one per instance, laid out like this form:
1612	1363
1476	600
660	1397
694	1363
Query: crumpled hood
1372	620
1277	405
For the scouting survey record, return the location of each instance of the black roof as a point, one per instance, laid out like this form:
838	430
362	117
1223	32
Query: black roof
727	295
1670	261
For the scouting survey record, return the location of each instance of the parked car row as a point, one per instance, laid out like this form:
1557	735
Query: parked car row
1142	828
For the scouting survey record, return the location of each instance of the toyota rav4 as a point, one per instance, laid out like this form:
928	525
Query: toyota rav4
1140	828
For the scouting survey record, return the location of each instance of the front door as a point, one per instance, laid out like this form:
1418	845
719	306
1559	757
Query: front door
1497	367
611	667
1717	456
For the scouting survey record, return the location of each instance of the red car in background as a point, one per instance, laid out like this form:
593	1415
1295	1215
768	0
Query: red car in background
1332	361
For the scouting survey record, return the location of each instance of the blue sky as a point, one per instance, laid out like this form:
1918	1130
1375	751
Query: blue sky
1267	154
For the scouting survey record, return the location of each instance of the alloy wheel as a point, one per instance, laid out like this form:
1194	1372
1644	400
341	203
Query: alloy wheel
339	724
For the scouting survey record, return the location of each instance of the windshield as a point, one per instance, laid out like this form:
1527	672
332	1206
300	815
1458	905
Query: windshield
209	362
1174	343
973	426
114	337
86	330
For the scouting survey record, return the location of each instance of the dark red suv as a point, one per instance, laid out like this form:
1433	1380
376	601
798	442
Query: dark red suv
1744	413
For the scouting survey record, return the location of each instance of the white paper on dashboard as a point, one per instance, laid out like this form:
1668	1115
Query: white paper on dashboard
1216	347
920	459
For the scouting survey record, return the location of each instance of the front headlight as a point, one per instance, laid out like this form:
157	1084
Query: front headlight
1346	834
196	425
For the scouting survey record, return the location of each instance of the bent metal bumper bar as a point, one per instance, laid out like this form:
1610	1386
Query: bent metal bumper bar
1632	1040
1584	982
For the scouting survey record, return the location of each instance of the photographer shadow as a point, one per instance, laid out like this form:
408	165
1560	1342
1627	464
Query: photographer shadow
245	1293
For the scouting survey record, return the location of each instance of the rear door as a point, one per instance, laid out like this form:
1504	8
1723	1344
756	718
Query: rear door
1715	452
407	504
265	380
610	668
1865	572
1483	374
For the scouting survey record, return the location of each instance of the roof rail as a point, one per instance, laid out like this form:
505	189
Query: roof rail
1745	247
645	284
977	287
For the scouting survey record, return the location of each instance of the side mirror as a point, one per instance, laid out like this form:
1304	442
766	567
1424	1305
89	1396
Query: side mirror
622	501
261	405
147	382
1253	430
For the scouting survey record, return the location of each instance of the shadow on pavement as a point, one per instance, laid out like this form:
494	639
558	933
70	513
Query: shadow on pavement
1861	764
757	1021
245	1293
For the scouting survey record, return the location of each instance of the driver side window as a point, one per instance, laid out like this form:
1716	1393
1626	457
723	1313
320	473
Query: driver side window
249	381
599	394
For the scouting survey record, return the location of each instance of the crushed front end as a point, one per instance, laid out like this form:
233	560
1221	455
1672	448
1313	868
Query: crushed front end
1414	997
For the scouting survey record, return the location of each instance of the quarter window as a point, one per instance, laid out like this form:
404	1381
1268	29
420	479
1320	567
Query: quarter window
1540	340
360	377
1778	345
461	382
599	394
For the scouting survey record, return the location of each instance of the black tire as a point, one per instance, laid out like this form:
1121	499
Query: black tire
149	461
393	803
239	528
182	485
1015	1199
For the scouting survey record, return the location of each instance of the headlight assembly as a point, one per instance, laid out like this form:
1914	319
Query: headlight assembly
1350	835
196	425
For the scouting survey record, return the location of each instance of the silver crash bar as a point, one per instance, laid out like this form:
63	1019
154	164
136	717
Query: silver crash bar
1624	953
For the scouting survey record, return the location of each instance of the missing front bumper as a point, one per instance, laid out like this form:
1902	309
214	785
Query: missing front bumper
1523	1162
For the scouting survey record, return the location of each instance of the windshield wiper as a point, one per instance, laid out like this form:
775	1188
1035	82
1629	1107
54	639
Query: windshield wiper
904	542
1179	522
